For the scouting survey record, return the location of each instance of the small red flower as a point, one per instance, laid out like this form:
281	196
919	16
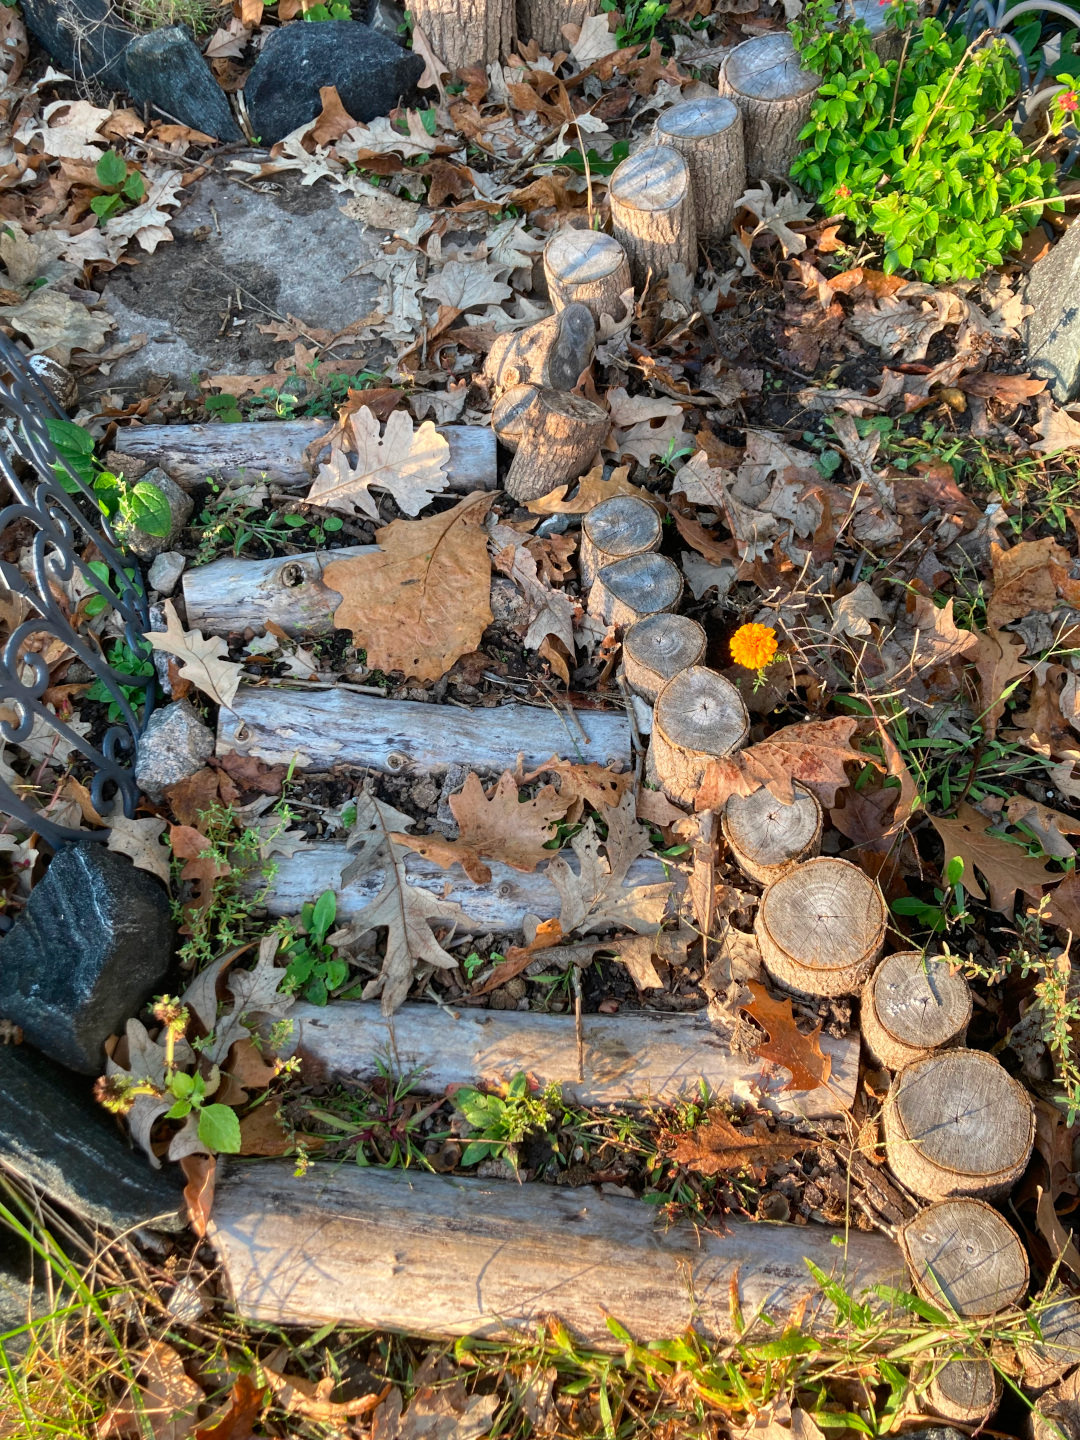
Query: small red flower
1067	101
843	192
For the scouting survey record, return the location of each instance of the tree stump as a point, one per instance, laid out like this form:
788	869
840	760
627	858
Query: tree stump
657	648
552	353
652	212
555	438
886	39
708	134
589	268
764	78
912	1005
768	838
614	530
957	1123
627	591
699	716
468	32
964	1389
820	927
542	21
1059	1350
964	1253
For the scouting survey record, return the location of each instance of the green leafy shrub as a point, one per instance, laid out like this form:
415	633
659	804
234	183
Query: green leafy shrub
142	504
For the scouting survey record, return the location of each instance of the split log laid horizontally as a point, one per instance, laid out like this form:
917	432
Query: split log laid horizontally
652	212
543	21
768	838
1047	1360
765	80
625	592
554	436
913	1004
657	648
444	1255
589	268
229	596
468	32
965	1253
699	716
821	927
614	530
708	134
957	1123
552	353
963	1389
627	1057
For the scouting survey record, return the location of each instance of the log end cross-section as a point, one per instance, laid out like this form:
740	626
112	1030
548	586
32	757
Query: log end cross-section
768	838
657	648
911	1005
963	1253
708	134
652	212
698	716
589	268
821	927
775	94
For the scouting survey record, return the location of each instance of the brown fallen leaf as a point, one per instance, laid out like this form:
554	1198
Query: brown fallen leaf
1023	581
814	753
519	957
1054	1233
194	796
244	1408
655	808
199	1172
250	773
938	638
170	1399
787	1045
592	490
139	840
717	1147
334	120
1004	867
298	1396
1064	908
998	658
202	869
637	953
596	785
1009	389
262	1133
1056	429
1048	826
203	659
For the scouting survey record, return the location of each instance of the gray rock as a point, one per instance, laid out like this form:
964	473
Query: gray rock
174	745
1052	330
387	19
56	378
165	572
371	74
166	70
145	546
92	945
55	1135
508	605
82	37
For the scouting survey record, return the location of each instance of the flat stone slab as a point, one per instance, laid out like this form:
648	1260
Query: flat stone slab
1052	330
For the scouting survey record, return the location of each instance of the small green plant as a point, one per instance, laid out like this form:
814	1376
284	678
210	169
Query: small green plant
501	1122
336	11
224	407
141	505
219	1126
312	968
122	188
639	19
949	907
197	15
121	657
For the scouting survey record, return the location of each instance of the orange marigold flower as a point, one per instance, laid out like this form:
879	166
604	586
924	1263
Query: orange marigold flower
753	646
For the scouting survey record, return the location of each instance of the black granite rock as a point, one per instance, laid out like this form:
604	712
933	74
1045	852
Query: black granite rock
82	37
166	69
370	72
91	947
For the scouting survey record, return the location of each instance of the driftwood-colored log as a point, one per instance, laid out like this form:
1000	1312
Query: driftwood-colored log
543	21
821	927
708	134
911	1005
699	716
963	1389
1059	1350
554	436
765	80
957	1123
652	212
443	1255
1057	1413
231	595
628	1057
323	728
614	530
657	648
768	838
589	268
552	353
468	32
277	451
625	592
964	1253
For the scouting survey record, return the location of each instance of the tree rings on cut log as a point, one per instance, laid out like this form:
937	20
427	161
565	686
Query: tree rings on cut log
652	212
555	437
964	1253
551	353
589	268
614	530
911	1005
708	134
1059	1350
964	1389
625	592
957	1123
820	927
699	716
764	78
768	838
657	648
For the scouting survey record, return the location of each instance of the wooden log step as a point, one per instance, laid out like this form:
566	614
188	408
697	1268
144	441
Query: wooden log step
764	78
768	838
657	648
587	267
629	1057
821	927
446	1256
652	212
323	728
963	1253
698	715
231	595
911	1005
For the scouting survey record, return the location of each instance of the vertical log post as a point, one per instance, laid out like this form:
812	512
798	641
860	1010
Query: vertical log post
765	80
698	716
543	21
821	927
614	530
652	212
587	267
555	437
657	648
468	32
965	1253
625	592
708	134
912	1005
768	838
886	39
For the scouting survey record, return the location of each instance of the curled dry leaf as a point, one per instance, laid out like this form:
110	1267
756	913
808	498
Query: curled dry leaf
139	840
814	753
199	1172
596	785
592	490
245	1405
1027	578
718	1148
787	1045
1000	664
203	659
1048	826
598	895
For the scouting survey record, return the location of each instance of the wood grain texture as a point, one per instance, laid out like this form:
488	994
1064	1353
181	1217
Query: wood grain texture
589	267
555	438
614	530
626	591
820	927
552	353
231	595
965	1253
543	21
468	32
652	212
698	716
765	80
913	1004
708	134
886	39
444	1256
1059	1350
768	838
964	1390
657	648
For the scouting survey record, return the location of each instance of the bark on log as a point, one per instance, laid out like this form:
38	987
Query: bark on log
652	212
552	353
768	838
628	590
614	530
468	32
764	78
542	21
911	1006
821	927
1057	1413
555	438
699	716
1059	1350
957	1123
657	648
230	595
963	1389
338	727
627	1057
887	40
589	268
446	1256
708	134
964	1252
275	451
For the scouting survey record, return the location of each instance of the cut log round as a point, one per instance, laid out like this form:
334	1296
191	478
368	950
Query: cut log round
627	591
657	648
554	436
886	39
768	838
957	1123
911	1005
652	212
821	927
764	78
964	1253
1059	1350
699	716
468	32
1057	1413
589	268
543	21
708	134
552	353
614	530
964	1389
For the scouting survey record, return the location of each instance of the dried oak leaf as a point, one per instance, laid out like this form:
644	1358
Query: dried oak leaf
520	957
423	600
191	798
717	1148
787	1045
596	785
1009	389
598	895
999	661
1064	908
592	490
814	753
407	463
1048	826
333	120
1023	580
170	1399
199	1172
1004	866
202	869
139	841
244	1407
203	663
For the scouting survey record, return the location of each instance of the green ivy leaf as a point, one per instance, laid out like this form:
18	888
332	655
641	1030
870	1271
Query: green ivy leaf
148	508
111	169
